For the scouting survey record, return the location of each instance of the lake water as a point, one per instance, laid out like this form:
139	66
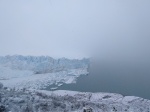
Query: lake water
125	80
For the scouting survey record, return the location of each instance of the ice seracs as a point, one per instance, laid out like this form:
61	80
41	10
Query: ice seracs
42	64
39	72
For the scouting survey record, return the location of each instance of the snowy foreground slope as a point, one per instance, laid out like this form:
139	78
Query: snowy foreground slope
39	72
12	100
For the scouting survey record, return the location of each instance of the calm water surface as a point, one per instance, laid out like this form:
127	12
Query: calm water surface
126	80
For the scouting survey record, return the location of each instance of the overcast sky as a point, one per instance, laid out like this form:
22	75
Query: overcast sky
74	28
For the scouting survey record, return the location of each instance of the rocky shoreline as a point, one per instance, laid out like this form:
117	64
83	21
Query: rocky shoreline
23	100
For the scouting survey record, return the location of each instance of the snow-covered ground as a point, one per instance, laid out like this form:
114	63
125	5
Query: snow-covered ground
69	101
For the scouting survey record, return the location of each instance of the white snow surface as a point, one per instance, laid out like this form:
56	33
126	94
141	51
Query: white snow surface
23	100
7	73
26	79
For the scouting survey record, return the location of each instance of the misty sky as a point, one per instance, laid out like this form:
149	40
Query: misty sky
74	28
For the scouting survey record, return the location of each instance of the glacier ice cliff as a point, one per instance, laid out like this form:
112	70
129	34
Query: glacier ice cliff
42	64
38	72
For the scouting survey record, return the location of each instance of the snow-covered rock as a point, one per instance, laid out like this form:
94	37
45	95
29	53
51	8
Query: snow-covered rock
69	101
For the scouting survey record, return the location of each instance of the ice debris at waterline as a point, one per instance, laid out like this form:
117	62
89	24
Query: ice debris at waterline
39	72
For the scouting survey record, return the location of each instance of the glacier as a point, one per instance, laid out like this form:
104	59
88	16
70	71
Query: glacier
38	72
42	64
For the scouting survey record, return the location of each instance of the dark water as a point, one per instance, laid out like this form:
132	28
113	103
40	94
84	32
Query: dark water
132	80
